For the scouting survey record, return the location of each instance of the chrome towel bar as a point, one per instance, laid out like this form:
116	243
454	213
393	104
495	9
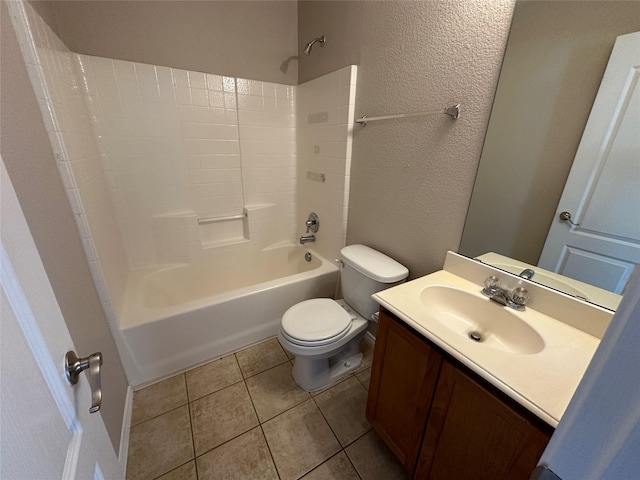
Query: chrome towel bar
453	112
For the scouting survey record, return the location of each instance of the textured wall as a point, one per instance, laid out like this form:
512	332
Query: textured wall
553	65
248	39
411	179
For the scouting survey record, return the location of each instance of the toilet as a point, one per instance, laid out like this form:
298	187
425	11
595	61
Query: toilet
325	334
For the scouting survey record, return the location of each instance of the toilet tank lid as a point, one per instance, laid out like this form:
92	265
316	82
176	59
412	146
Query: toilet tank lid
374	264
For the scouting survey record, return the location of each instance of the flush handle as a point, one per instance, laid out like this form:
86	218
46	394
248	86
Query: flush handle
73	365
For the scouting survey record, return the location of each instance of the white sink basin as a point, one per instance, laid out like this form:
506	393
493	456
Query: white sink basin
481	320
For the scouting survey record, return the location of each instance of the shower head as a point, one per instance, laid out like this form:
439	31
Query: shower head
307	48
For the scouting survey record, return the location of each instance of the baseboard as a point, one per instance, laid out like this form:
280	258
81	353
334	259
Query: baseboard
126	426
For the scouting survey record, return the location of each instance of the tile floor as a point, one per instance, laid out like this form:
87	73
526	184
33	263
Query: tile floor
244	417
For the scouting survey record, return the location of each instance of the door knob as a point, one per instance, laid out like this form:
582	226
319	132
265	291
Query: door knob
566	217
73	365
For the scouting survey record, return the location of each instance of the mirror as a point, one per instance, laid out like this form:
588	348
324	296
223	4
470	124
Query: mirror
556	55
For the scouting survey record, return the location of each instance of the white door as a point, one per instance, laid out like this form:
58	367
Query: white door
47	431
603	189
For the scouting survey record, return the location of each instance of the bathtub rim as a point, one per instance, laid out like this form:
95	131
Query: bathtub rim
135	313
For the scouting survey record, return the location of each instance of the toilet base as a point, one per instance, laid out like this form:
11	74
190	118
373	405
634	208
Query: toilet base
313	373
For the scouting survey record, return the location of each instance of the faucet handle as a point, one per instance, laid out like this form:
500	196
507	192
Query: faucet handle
312	223
491	283
520	296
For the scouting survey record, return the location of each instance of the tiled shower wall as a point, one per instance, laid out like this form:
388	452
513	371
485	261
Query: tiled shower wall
144	150
52	71
171	143
325	116
267	113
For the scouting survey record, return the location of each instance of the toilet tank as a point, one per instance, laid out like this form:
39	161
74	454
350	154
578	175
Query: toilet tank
366	271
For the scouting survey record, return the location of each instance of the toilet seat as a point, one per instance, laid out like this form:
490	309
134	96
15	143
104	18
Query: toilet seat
316	322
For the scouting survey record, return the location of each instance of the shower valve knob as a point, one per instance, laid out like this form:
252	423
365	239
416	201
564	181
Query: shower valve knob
312	223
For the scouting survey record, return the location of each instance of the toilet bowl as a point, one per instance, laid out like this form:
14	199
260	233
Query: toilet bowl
323	334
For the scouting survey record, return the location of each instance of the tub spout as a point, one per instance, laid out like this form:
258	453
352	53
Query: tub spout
307	238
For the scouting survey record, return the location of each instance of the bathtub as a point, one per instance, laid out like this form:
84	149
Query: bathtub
178	316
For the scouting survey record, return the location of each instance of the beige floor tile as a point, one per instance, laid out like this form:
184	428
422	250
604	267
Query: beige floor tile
245	457
212	377
221	416
261	357
275	391
318	392
344	406
160	445
299	440
185	472
373	460
158	398
337	467
365	377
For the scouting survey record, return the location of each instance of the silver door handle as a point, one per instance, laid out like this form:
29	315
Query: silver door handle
73	365
566	217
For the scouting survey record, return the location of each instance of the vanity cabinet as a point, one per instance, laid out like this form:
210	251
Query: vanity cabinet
403	379
443	421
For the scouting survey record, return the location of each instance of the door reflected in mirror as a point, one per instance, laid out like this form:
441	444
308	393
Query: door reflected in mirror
554	63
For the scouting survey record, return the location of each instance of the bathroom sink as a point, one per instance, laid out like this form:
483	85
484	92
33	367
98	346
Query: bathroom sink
480	320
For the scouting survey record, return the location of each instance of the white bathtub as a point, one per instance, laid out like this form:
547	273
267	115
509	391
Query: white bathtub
178	316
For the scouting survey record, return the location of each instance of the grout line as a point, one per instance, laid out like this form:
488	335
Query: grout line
253	405
270	452
173	469
317	393
159	415
261	423
262	371
257	426
193	441
319	465
226	441
351	461
327	422
347	453
215	391
365	387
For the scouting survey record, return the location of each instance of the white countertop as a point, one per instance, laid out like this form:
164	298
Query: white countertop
542	382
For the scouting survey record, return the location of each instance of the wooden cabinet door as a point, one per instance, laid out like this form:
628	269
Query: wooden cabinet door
473	434
403	379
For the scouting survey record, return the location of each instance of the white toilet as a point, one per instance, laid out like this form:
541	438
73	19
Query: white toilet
324	334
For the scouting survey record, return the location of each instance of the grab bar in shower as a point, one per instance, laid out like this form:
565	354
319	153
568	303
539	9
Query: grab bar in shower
204	221
453	112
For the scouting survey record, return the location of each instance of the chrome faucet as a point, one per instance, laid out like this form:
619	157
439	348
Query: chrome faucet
516	298
312	224
307	238
527	273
